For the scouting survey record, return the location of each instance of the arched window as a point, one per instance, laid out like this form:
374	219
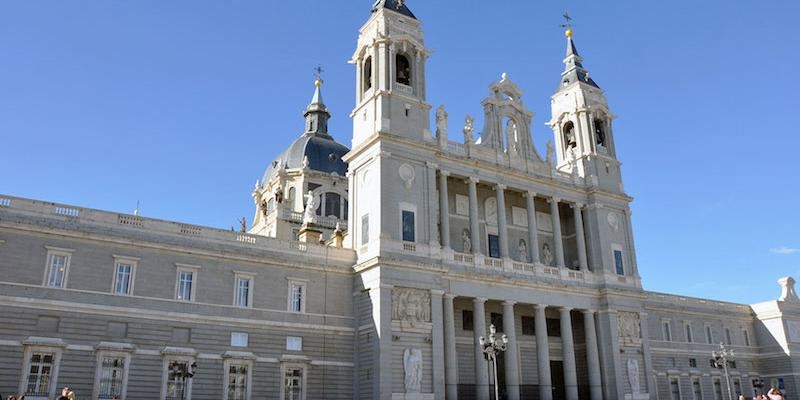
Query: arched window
367	74
403	69
291	195
599	132
333	204
569	135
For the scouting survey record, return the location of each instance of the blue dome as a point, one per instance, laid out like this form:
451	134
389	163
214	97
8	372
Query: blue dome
324	155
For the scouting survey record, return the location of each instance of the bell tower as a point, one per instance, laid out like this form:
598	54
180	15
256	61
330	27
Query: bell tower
582	125
390	75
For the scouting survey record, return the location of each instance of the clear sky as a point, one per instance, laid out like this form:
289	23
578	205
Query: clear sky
181	105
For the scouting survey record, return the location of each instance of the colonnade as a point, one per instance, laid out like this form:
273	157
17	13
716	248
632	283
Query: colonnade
502	222
513	355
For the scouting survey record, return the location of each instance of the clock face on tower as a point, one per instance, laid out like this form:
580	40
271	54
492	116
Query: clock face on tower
490	207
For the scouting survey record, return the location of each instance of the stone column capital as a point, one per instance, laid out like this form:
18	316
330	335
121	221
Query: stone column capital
449	296
554	199
540	306
499	187
576	205
437	292
472	180
431	164
529	194
588	311
509	303
479	300
443	172
565	309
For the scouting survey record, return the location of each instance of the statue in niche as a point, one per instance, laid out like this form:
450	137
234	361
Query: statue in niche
311	207
522	249
468	129
550	153
279	195
629	325
547	255
466	241
411	306
243	225
441	122
511	135
633	375
412	364
263	207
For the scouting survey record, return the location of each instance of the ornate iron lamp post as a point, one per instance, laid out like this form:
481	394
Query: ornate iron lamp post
721	358
491	347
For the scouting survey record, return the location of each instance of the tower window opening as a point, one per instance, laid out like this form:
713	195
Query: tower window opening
367	74
569	135
403	67
599	133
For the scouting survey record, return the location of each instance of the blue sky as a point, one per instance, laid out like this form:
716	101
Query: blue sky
181	105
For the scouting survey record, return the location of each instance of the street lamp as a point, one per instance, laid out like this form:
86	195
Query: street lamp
721	359
490	348
183	371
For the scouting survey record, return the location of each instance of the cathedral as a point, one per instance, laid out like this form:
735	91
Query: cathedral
406	266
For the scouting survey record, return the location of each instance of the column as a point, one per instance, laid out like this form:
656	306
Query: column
432	226
592	356
382	316
481	366
502	229
512	352
579	236
533	229
542	353
568	351
557	239
444	210
437	343
451	363
474	227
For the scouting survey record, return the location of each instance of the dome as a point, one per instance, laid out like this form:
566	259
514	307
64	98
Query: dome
324	155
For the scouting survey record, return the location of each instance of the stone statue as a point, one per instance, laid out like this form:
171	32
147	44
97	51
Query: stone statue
466	241
305	162
279	195
243	223
633	375
263	207
311	207
522	249
547	255
469	138
412	364
441	122
550	153
787	290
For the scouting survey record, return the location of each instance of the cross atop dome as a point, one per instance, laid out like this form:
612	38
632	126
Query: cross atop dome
398	6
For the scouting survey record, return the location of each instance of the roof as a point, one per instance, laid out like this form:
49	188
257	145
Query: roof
323	153
398	6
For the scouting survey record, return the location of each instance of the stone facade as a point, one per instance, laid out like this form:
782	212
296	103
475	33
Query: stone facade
433	242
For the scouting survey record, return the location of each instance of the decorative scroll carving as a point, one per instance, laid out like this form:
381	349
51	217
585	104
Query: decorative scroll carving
411	306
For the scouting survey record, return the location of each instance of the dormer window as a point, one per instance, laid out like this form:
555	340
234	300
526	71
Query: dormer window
403	67
569	135
367	74
599	132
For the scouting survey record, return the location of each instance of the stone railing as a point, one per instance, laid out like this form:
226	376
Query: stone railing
287	214
35	210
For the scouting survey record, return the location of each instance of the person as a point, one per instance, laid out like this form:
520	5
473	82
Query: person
775	394
741	397
67	394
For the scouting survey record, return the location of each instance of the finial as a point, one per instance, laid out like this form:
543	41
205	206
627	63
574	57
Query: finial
319	71
567	24
503	76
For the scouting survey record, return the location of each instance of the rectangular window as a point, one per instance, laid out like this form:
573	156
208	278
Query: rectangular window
185	285
494	246
667	331
698	392
717	389
553	327
239	339
57	267
408	226
689	337
293	384
177	379
709	335
297	296
496	320
365	229
124	274
728	336
243	291
112	370
693	362
737	386
618	264
528	325
237	381
294	343
674	389
466	320
746	337
39	374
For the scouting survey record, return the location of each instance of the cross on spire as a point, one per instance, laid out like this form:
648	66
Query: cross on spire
318	72
567	21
